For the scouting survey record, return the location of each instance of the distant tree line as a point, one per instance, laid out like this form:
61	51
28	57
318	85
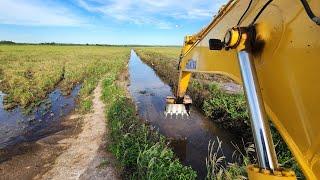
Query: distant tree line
4	42
7	42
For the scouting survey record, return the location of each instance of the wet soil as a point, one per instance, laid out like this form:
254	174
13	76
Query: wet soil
190	135
29	142
75	150
86	152
29	159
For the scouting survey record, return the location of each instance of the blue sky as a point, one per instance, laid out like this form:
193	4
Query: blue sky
154	22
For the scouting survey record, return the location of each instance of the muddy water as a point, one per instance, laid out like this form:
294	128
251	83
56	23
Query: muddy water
190	135
16	127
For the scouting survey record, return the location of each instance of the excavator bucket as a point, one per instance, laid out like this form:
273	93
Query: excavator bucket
175	108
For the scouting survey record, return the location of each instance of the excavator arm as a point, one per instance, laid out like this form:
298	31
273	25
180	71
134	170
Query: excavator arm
273	51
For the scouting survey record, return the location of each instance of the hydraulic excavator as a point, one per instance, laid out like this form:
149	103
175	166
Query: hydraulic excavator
272	48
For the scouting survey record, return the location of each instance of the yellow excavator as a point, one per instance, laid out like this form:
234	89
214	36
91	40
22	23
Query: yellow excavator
272	48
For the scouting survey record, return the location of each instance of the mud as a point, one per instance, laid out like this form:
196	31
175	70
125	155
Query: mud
29	159
86	152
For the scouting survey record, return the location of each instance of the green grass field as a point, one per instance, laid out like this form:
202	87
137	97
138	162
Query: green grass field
28	73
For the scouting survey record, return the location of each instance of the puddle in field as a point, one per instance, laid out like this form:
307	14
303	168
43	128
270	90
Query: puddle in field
16	127
191	135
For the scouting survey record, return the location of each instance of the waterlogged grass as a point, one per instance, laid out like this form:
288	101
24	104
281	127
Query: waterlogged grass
29	72
142	153
227	109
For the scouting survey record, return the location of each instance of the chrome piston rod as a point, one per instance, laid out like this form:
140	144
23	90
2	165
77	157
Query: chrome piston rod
260	127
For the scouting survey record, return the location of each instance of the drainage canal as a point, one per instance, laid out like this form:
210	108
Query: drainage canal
191	135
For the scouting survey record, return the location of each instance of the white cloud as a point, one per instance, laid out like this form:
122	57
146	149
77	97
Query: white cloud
36	13
159	13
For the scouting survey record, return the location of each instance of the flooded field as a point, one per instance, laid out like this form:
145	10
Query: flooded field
190	135
17	127
30	73
55	80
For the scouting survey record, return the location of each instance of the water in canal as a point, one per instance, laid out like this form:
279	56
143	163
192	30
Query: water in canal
17	127
192	134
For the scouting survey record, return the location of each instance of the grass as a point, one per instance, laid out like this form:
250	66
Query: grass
29	72
218	168
142	153
229	110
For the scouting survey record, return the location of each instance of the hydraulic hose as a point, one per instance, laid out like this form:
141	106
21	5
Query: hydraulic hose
305	4
311	15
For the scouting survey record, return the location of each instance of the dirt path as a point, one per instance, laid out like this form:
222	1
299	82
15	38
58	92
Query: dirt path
76	151
85	157
28	159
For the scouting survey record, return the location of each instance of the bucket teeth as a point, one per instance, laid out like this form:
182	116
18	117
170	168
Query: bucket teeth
176	110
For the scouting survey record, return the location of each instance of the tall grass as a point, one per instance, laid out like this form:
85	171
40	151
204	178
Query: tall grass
217	166
142	153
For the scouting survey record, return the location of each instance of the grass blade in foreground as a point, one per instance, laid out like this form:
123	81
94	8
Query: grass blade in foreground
142	153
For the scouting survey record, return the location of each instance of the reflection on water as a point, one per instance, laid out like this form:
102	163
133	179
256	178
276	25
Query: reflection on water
16	127
190	135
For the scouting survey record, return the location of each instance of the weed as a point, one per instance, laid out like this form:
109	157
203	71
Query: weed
215	162
86	105
143	153
230	106
230	110
104	163
285	157
218	168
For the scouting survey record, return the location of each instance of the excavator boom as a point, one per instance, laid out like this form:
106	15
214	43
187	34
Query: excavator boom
271	47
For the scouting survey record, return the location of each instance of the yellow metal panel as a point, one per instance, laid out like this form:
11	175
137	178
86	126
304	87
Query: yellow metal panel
255	173
288	70
183	83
